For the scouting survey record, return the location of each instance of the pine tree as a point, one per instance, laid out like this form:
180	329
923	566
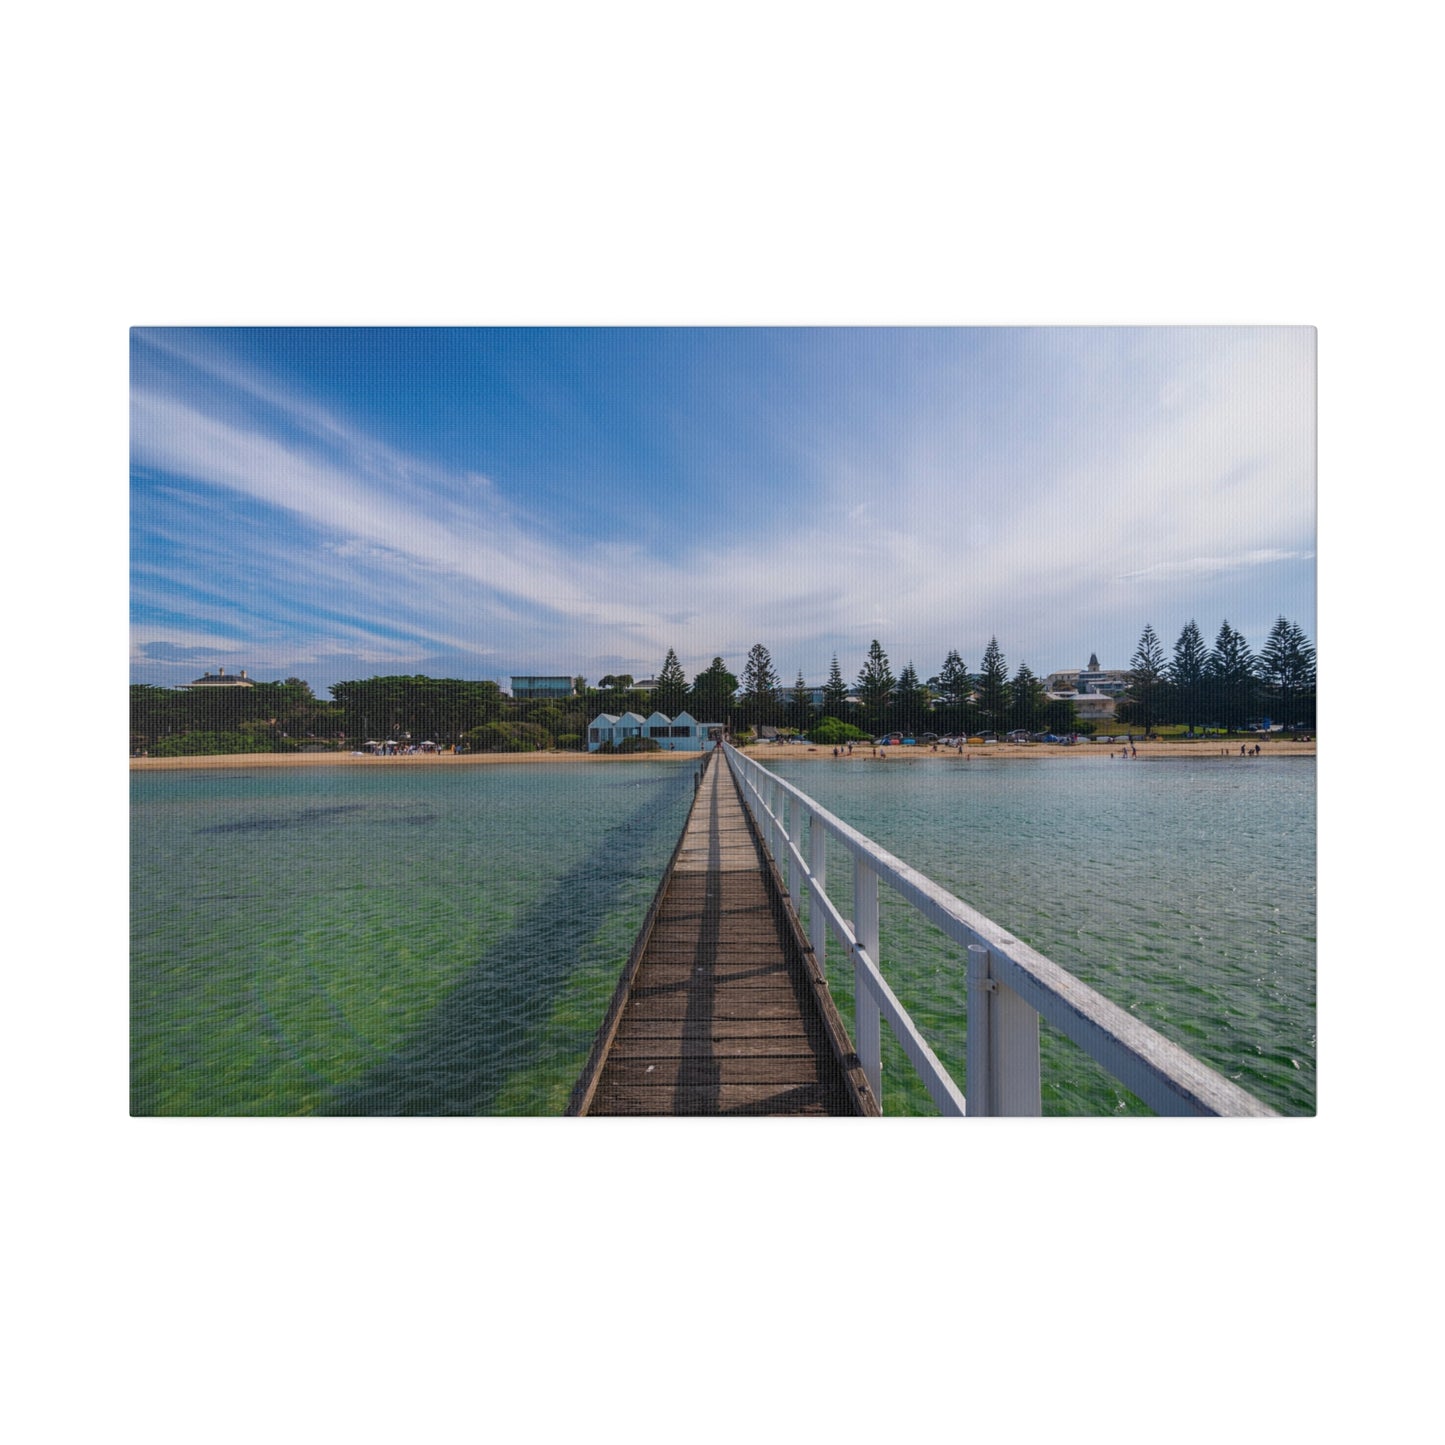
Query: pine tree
711	697
1287	668
802	703
911	699
835	692
993	687
1186	675
1230	679
875	685
1027	699
1144	701
670	694
954	681
760	686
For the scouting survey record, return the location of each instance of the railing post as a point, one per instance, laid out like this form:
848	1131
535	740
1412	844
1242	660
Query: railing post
976	1051
818	865
867	1019
780	810
1002	1062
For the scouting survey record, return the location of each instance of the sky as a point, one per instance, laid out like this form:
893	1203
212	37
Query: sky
338	503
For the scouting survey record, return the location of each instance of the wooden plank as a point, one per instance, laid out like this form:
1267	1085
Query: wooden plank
719	1016
734	1006
654	1048
665	1072
705	986
710	975
676	955
735	1099
684	1028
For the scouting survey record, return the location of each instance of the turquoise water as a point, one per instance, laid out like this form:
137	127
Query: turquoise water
1183	890
385	939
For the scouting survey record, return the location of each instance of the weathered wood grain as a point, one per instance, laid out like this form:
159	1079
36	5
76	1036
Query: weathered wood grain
719	1012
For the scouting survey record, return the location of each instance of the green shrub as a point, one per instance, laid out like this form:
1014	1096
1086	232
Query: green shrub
508	737
570	742
198	744
830	732
639	745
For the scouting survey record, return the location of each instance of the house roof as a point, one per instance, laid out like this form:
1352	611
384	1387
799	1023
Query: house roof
219	679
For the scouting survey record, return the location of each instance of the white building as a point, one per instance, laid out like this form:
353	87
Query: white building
680	734
1090	681
1088	706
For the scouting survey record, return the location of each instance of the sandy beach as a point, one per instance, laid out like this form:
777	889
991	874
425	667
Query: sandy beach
1019	752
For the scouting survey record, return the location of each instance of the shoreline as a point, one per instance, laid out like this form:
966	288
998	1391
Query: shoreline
1014	752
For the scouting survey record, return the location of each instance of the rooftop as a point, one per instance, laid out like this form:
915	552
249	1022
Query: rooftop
219	679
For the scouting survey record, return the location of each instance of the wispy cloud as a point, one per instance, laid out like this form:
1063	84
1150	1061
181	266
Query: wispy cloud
990	490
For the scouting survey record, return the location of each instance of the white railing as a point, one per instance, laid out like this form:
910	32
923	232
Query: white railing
1010	985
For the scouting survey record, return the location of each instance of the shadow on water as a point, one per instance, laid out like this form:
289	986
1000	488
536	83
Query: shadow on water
305	817
461	1056
316	817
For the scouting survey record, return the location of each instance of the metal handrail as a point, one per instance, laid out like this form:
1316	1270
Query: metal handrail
1010	985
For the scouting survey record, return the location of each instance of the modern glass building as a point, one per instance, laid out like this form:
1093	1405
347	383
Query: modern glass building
533	687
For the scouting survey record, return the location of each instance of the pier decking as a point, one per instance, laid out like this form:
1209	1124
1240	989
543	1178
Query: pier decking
720	1010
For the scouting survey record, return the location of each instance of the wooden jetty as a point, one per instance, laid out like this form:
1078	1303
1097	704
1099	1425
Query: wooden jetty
721	1008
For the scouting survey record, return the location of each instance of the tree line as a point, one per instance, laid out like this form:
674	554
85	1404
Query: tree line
1224	686
1220	687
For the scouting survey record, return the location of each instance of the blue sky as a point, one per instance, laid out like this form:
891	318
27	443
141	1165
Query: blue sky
339	503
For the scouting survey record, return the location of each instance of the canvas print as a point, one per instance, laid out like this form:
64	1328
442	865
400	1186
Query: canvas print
723	721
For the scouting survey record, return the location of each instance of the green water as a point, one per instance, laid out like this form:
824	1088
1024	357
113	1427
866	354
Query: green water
1182	890
385	939
382	939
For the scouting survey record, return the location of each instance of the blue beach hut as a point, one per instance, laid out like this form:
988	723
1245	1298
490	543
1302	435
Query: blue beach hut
629	725
602	729
692	736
